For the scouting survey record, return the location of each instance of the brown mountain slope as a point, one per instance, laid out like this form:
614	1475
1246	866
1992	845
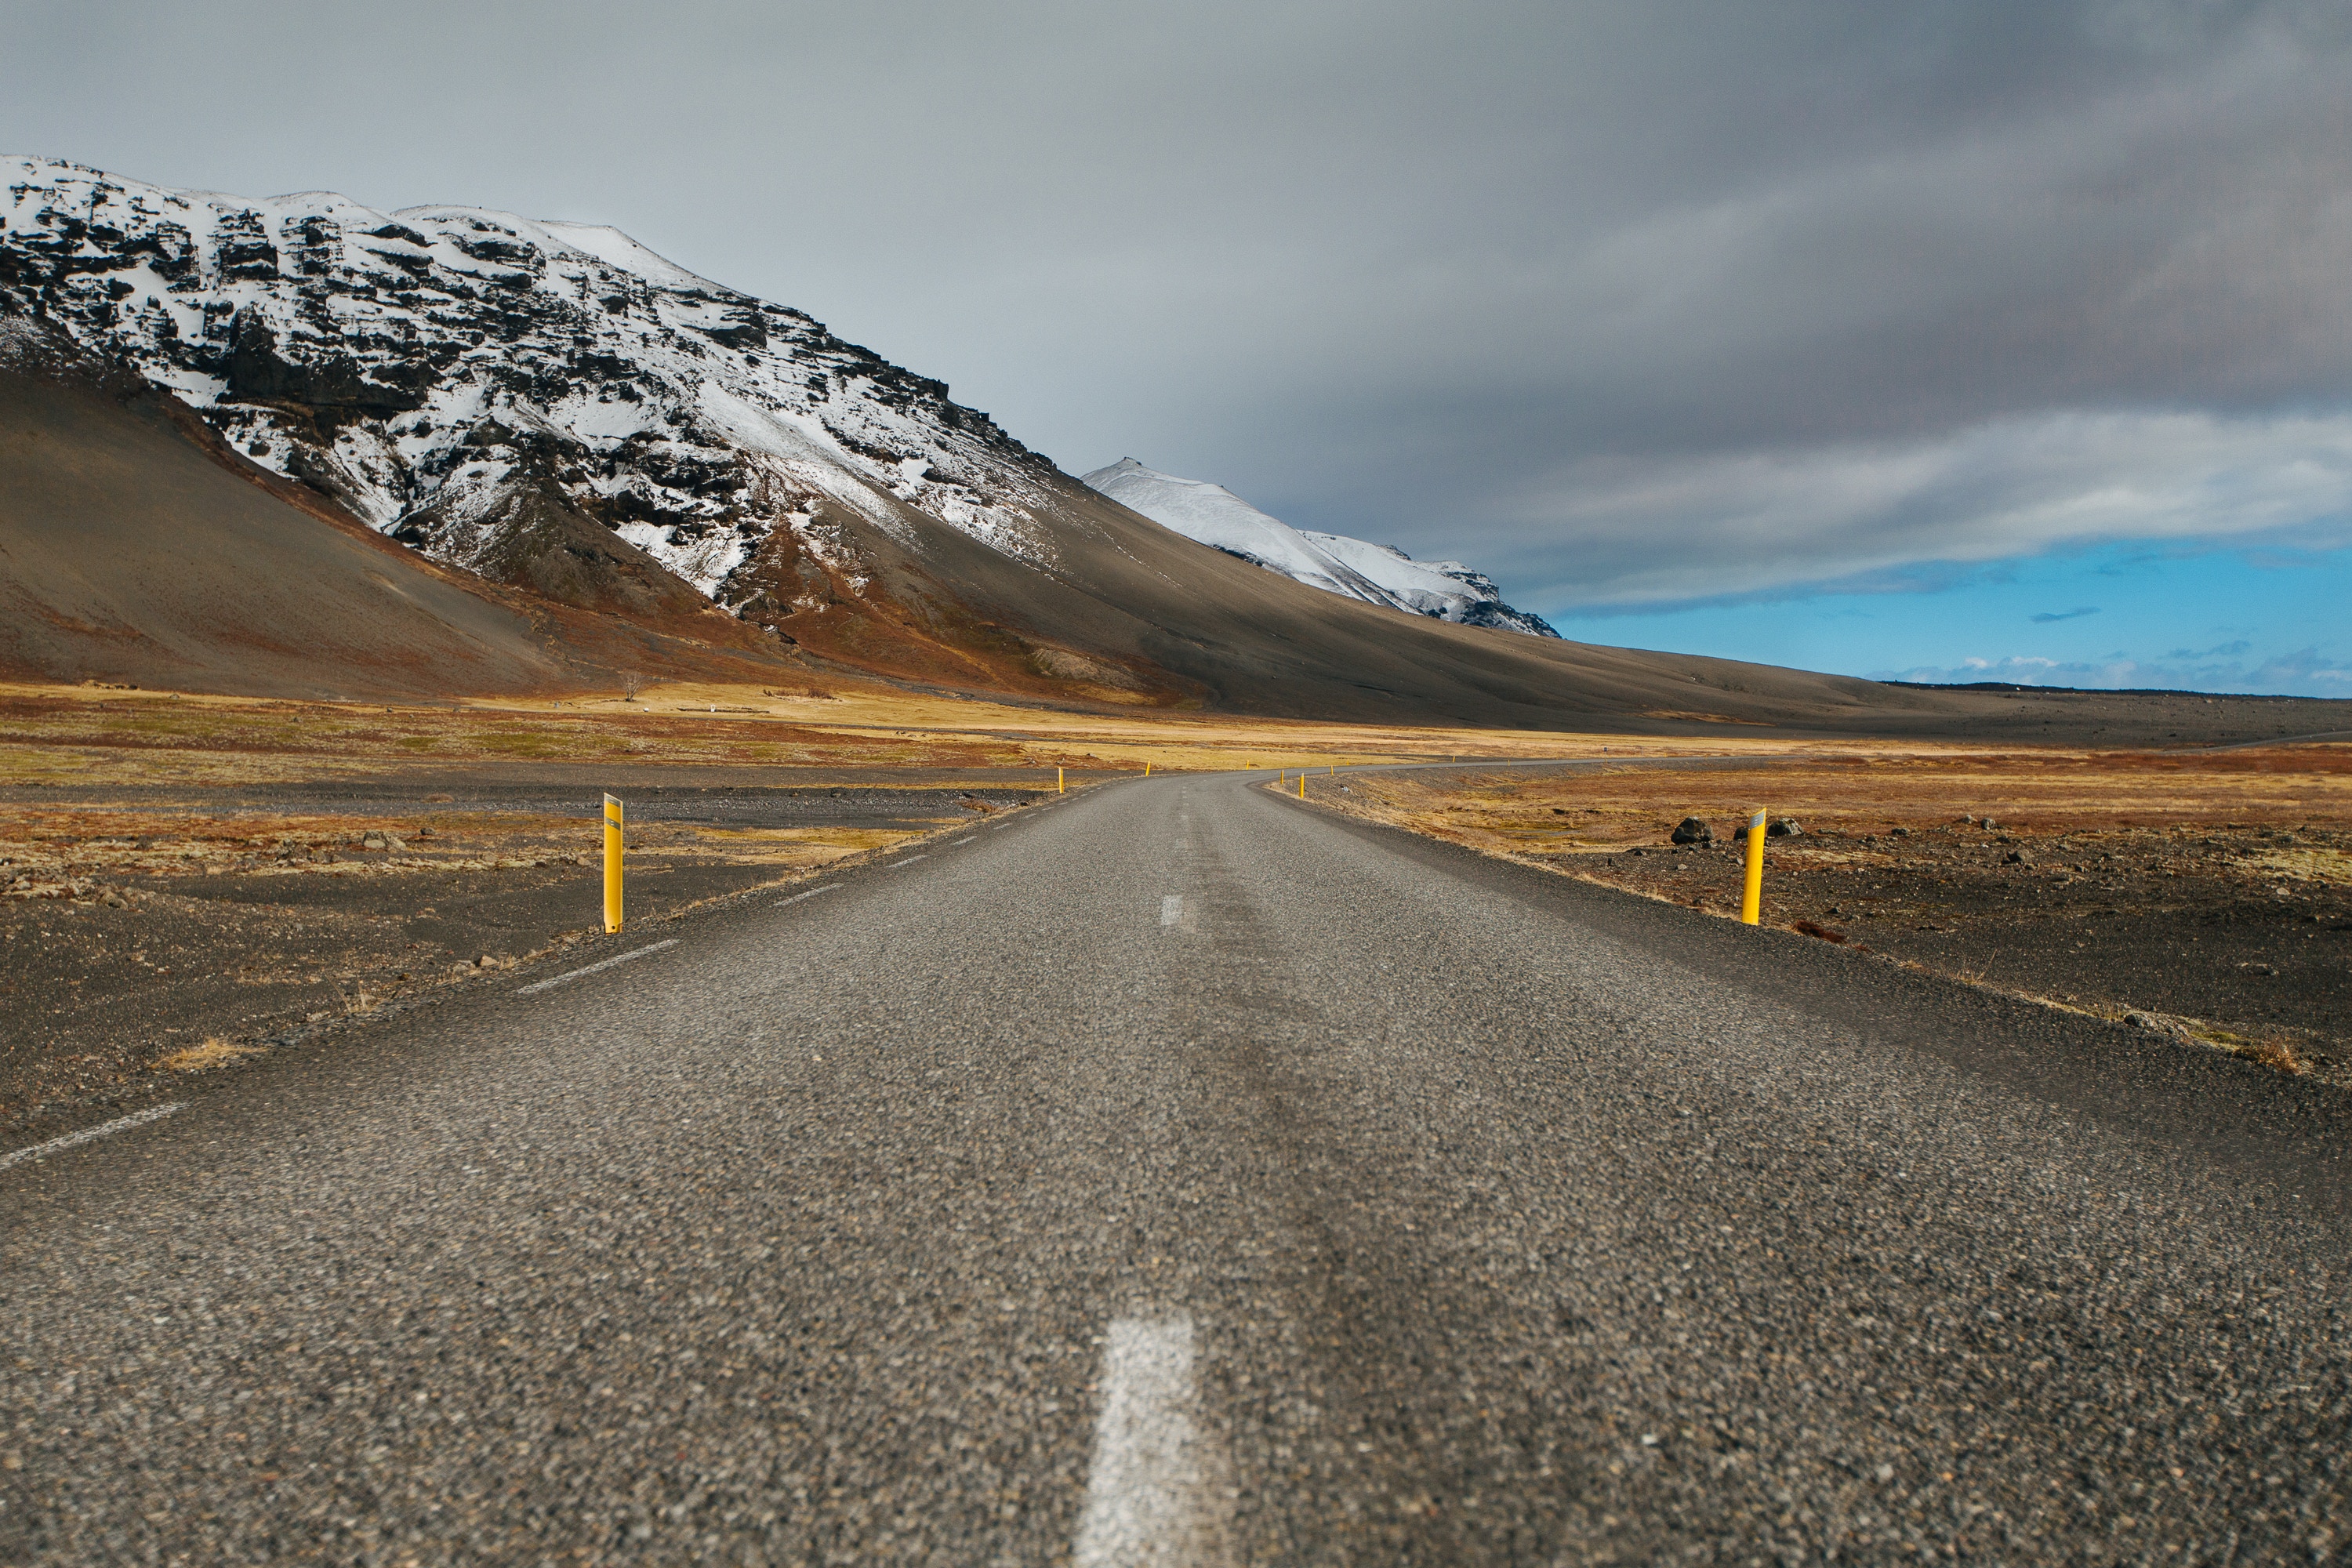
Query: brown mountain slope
1132	613
135	547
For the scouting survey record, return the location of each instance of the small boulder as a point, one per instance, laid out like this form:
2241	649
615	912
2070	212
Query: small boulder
2018	857
1783	828
1691	830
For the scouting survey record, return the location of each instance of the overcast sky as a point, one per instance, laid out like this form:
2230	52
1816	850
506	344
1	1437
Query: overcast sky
1657	311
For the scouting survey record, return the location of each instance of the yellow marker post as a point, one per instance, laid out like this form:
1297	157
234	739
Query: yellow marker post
1147	767
1751	902
612	864
1302	783
1061	781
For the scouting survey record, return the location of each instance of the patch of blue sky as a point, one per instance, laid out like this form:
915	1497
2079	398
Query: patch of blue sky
2117	616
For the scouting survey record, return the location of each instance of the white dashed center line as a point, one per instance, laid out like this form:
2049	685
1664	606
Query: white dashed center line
1156	1493
812	893
908	861
623	957
1171	908
75	1140
964	840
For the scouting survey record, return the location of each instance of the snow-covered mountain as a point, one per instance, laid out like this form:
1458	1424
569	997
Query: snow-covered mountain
1376	573
451	373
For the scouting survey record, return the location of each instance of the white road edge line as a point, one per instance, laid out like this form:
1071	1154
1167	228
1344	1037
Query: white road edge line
812	893
908	861
1154	1491
71	1140
1171	908
623	957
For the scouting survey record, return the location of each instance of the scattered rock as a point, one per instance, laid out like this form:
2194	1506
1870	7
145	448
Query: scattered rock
2018	857
1898	833
1691	830
1783	828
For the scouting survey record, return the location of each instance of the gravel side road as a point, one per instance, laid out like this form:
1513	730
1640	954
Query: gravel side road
1179	1174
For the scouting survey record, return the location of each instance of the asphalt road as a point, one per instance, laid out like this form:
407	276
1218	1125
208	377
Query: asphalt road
1180	1175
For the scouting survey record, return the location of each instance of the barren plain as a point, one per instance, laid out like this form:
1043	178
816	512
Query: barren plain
185	880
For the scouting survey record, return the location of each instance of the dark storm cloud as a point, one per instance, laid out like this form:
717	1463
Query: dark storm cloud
1622	302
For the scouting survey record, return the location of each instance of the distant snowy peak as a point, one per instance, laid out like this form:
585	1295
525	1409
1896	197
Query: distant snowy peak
1376	573
1216	517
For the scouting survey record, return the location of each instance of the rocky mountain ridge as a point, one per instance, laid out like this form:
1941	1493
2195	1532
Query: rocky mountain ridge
515	397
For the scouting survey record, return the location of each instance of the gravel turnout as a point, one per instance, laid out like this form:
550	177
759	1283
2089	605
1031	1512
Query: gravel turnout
1180	1156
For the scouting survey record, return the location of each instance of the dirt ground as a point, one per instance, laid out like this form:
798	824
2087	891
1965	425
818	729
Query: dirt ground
171	932
2205	895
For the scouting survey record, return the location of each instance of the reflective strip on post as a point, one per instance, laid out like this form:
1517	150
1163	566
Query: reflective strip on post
1751	902
612	864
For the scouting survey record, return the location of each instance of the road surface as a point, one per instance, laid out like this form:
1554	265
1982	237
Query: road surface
1177	1175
